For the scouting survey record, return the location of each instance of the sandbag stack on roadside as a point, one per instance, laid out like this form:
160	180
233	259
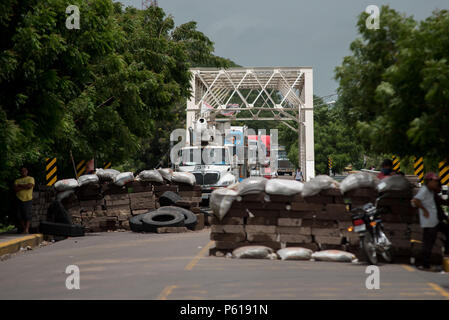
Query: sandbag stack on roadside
280	216
107	199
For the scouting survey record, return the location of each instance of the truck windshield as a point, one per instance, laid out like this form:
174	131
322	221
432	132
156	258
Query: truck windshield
207	156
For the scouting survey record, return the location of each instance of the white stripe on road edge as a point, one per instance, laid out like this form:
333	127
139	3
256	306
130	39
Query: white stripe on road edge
166	292
199	256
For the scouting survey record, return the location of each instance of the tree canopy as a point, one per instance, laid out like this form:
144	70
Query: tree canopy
394	86
108	90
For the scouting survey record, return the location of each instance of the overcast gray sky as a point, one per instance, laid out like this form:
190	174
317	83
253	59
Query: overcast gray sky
262	33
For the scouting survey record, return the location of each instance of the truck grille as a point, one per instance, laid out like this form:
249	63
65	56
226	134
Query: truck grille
199	178
209	178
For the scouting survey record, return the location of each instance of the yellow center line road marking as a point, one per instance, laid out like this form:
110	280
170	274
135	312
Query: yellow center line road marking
166	292
199	256
408	268
440	290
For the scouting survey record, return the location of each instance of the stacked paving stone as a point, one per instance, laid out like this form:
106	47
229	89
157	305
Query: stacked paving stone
190	197
42	198
319	222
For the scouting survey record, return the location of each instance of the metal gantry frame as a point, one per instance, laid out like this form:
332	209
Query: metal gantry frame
282	94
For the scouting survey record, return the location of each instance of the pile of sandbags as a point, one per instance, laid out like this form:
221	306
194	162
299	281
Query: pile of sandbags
292	253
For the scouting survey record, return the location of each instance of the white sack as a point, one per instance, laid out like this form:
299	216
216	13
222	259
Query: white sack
184	177
358	180
221	201
333	255
166	173
65	194
106	174
66	184
316	185
251	185
295	253
394	183
150	175
123	178
88	179
283	187
252	252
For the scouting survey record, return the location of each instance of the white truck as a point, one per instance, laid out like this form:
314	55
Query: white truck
214	159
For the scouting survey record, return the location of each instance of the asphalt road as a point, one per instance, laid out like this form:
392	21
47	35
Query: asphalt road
177	266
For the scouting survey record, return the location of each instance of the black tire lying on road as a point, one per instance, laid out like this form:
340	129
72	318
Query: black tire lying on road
61	229
190	218
162	218
169	198
135	223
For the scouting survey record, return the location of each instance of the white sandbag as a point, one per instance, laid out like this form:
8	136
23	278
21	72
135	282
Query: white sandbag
106	174
221	201
123	178
295	253
150	175
66	184
283	187
252	252
394	183
184	177
358	180
166	173
333	255
64	194
251	185
88	179
316	185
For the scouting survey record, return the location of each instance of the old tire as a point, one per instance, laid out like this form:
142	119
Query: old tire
157	219
57	213
61	229
135	223
190	218
169	198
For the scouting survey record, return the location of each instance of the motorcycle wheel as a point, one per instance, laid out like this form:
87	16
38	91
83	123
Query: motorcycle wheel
369	249
387	255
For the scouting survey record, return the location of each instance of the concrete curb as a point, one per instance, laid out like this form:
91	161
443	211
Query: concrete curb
12	246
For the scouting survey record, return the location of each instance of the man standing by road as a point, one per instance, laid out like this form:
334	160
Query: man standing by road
24	192
299	176
428	216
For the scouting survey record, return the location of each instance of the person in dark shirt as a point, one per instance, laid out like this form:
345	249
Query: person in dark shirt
387	169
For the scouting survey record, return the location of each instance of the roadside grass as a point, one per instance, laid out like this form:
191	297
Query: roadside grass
6	228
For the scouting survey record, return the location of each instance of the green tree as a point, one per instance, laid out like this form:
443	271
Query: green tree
394	85
333	138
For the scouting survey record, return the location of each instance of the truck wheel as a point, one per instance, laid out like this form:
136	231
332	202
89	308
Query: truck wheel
156	219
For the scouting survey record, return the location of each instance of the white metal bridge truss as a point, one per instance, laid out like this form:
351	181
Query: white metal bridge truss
282	94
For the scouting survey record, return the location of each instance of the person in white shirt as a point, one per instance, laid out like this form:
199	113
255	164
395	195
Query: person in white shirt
428	216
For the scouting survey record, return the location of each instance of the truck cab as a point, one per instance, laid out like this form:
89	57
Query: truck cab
212	166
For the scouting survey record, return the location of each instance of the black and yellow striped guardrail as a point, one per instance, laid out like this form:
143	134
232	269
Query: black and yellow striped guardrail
107	165
50	171
396	164
80	168
443	172
418	166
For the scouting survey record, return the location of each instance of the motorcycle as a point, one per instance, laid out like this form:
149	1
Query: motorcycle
367	223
